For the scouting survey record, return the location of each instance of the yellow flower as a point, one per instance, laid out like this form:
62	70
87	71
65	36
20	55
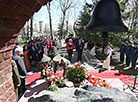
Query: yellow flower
86	76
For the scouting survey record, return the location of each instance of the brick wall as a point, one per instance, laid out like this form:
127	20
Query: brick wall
13	16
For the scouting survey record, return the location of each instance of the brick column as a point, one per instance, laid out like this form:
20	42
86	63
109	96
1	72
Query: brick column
13	16
7	93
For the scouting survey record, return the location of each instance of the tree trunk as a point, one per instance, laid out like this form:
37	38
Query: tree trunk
31	28
50	18
27	30
67	26
105	41
62	24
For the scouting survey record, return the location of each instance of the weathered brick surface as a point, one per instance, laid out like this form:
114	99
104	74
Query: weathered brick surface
37	8
1	21
1	57
13	15
5	64
24	10
27	3
13	23
42	2
12	98
7	54
4	77
9	13
3	98
6	48
11	5
3	90
8	85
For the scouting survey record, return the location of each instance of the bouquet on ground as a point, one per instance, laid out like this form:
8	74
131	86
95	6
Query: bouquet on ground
76	73
91	80
54	81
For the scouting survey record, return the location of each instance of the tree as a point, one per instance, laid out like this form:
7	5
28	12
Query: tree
31	27
82	21
129	11
65	5
50	19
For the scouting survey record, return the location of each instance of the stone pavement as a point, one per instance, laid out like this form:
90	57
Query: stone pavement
33	89
90	61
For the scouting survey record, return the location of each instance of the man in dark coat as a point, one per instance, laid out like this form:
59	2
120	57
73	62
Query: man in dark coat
33	55
21	68
79	49
134	55
122	51
128	53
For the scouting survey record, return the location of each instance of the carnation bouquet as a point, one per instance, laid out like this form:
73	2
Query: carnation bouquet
54	81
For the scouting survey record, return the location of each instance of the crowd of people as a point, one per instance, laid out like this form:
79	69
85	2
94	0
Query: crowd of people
30	55
129	53
44	50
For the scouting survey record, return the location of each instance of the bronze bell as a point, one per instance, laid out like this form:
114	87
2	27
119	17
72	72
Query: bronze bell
106	17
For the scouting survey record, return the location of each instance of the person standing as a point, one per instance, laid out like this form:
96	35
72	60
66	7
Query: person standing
17	57
122	51
33	55
26	57
106	63
70	47
128	53
16	78
51	52
134	55
79	49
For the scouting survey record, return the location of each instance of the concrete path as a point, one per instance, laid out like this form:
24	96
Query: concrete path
34	89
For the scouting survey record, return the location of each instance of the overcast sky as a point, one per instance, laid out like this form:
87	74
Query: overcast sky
42	14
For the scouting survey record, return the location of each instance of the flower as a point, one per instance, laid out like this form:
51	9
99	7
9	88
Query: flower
76	74
78	63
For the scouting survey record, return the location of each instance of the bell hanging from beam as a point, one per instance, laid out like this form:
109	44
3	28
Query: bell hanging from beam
106	17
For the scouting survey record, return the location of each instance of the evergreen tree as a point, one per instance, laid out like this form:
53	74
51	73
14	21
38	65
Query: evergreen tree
129	13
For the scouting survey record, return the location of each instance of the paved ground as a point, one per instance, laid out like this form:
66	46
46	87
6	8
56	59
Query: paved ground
87	59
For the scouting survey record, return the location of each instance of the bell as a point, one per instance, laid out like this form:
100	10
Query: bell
106	17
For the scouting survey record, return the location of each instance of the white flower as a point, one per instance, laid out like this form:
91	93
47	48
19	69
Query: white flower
53	76
82	65
70	65
48	78
92	76
61	78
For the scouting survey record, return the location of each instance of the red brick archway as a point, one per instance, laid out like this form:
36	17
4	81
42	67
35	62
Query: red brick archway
13	16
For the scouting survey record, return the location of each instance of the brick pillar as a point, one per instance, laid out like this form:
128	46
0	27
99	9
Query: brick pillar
7	93
13	15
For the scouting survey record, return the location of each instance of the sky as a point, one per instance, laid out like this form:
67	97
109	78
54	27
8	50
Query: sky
42	14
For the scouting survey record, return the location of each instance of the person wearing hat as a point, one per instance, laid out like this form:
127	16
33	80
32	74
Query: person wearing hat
44	65
134	55
122	51
128	53
63	64
56	60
